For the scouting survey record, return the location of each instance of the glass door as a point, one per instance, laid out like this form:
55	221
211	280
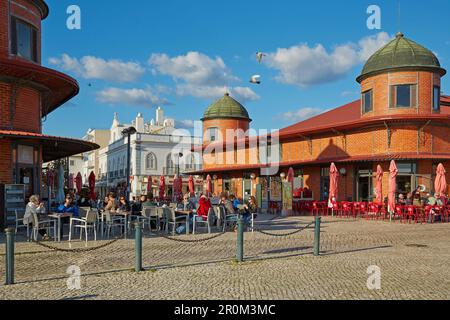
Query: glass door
364	186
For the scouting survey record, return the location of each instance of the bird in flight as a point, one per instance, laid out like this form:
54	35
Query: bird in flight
260	56
255	79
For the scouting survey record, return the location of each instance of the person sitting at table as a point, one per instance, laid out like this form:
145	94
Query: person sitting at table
186	204
124	205
112	203
431	200
401	200
202	213
251	208
136	207
67	207
235	202
409	199
83	202
150	202
227	204
38	208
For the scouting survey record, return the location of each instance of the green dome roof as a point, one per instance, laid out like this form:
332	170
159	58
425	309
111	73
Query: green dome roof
226	107
401	53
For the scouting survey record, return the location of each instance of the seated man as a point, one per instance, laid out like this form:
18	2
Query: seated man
202	213
227	204
67	207
250	209
235	202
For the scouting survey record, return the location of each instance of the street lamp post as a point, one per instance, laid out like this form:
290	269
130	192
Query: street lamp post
128	132
180	155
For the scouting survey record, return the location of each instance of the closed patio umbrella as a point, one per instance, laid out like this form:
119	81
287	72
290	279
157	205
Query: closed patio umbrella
162	188
92	195
208	186
290	177
440	185
393	173
60	196
177	187
79	183
379	187
71	178
334	180
191	186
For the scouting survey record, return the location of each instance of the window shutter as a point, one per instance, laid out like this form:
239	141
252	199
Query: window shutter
413	95
393	98
34	45
13	36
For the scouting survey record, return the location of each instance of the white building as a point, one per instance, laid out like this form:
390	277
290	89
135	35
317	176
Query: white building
157	149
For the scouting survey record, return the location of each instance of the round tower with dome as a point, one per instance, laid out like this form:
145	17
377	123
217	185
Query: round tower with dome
224	114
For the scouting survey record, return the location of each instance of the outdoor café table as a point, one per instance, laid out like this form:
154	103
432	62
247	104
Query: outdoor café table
187	214
59	216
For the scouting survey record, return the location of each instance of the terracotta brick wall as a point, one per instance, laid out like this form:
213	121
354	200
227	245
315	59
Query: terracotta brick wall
4	106
27	115
4	34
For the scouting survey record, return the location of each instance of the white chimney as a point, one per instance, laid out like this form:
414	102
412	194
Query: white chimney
140	126
159	117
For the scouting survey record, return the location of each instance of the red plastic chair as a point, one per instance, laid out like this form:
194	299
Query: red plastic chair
347	209
363	209
411	214
399	213
315	209
334	210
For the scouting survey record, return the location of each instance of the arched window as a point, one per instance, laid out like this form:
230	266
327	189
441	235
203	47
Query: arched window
169	162
150	162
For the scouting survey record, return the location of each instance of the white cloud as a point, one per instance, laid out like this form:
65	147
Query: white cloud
185	124
140	97
90	67
200	76
193	68
301	114
302	65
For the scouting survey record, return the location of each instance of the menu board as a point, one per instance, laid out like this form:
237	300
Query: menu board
275	189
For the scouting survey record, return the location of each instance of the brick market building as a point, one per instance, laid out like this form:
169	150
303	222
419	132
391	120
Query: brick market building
401	116
29	93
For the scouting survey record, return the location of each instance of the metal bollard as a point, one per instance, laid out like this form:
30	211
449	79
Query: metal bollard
138	247
240	240
9	256
317	237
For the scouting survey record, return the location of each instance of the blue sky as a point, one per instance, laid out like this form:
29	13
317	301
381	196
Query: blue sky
131	56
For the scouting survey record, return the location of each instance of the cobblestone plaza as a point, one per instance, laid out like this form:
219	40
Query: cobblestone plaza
413	260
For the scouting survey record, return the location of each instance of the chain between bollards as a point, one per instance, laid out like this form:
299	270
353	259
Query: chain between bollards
317	237
9	256
138	247
240	240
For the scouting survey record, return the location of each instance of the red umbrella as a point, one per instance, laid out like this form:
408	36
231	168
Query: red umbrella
177	187
334	179
208	186
162	188
92	194
149	185
191	186
440	185
79	183
393	173
380	174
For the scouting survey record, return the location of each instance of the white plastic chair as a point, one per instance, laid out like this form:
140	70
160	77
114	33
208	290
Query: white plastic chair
199	220
20	224
112	222
89	222
43	224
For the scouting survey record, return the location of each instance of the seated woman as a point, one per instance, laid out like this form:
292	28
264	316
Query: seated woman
38	208
124	206
251	208
112	203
